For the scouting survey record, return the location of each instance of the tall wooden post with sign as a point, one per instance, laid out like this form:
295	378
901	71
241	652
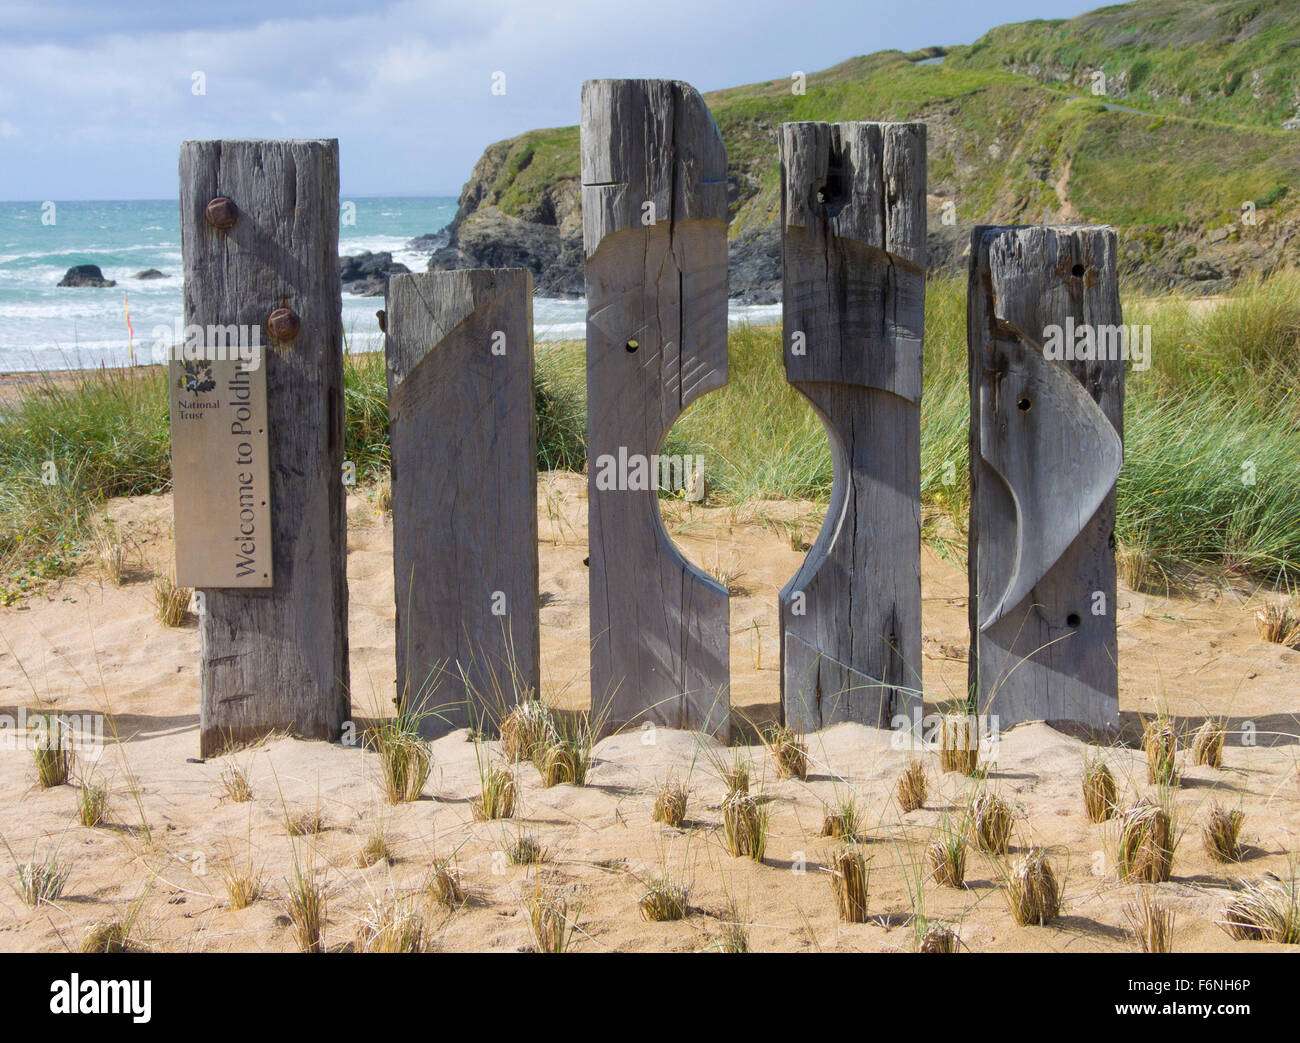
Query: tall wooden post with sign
463	428
259	234
1047	414
654	213
853	238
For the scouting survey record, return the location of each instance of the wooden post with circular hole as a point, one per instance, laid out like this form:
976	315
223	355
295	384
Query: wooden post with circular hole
853	225
654	206
1046	350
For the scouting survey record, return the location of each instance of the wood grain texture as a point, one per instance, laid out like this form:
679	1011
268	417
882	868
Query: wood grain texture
1046	449
463	430
853	238
656	341
277	659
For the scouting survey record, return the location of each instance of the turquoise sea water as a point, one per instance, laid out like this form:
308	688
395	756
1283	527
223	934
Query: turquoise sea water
43	326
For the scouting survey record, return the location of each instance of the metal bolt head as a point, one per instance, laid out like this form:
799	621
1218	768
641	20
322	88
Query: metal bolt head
222	213
283	326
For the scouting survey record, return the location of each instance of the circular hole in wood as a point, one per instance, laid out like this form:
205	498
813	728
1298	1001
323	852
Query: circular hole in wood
631	346
1072	620
1024	405
1077	271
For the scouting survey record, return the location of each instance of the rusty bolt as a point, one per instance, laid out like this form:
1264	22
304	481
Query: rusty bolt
283	326
222	213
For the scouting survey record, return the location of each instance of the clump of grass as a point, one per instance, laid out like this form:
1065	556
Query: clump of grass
53	751
1099	793
1160	743
946	858
497	791
243	885
1151	924
1146	843
733	931
171	602
548	918
1268	911
735	775
911	787
789	754
1220	832
376	849
404	758
445	886
235	786
1279	625
744	824
41	881
109	553
92	803
664	899
843	818
850	880
305	905
524	849
1032	890
304	823
959	743
526	730
991	820
391	927
566	755
938	938
670	804
113	935
1134	562
1207	743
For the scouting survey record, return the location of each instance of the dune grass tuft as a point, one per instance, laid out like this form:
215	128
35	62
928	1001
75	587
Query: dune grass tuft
1160	743
1032	890
911	787
664	899
670	804
1221	832
1146	843
1267	911
789	752
959	743
991	821
850	883
1207	743
744	825
549	918
1151	924
1099	792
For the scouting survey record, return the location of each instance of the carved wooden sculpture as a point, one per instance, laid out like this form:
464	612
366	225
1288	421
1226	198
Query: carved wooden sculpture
260	234
654	206
1046	449
464	473
853	228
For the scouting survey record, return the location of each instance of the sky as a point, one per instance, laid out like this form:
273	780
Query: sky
96	98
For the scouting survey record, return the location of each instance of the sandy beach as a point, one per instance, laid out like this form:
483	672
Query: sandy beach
87	646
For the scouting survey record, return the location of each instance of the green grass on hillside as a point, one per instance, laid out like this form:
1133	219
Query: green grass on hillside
1212	456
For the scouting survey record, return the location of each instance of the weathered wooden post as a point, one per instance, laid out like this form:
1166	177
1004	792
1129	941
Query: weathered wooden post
463	431
654	210
259	234
853	238
1047	412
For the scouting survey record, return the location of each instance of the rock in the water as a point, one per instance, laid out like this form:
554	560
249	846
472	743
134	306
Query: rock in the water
367	273
430	242
150	273
490	239
85	275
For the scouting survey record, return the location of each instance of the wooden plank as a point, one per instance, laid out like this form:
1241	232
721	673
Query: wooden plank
1046	450
277	659
654	205
463	431
853	239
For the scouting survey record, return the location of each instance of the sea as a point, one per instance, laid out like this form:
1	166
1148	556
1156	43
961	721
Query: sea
43	326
